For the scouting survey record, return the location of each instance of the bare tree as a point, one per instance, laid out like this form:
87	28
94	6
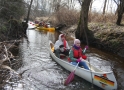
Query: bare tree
120	11
29	11
90	9
104	7
83	22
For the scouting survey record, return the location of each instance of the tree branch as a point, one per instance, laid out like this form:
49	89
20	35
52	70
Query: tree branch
116	2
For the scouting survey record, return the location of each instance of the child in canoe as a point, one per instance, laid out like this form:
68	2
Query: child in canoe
76	55
61	46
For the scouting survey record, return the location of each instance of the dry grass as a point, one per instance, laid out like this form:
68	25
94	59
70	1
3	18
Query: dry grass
71	17
68	17
65	16
97	17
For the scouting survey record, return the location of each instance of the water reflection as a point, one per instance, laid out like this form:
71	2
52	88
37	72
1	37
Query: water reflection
41	70
107	62
51	36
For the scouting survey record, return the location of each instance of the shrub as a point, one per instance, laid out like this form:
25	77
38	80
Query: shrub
66	16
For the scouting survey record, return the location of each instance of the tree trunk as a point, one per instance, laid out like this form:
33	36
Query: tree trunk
104	7
90	7
82	28
29	9
120	12
119	19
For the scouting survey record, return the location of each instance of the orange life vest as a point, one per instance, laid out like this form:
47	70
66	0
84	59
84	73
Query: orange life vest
77	54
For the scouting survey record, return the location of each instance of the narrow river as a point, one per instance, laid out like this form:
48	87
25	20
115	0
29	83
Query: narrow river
43	73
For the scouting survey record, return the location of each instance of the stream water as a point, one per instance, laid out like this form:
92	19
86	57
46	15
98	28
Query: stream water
40	72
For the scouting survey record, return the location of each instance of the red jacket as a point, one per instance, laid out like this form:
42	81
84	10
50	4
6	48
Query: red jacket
77	54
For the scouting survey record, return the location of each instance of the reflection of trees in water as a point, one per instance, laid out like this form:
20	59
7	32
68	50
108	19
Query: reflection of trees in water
51	36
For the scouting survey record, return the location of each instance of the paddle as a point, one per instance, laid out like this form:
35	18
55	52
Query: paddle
71	76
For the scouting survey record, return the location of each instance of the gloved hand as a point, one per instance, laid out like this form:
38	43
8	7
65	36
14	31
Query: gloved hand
84	57
86	47
78	60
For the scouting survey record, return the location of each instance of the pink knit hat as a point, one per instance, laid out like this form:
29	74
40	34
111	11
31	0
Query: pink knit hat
76	41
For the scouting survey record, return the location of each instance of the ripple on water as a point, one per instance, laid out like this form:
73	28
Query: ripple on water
45	74
100	63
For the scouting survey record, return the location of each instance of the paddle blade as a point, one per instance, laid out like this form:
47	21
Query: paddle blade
70	78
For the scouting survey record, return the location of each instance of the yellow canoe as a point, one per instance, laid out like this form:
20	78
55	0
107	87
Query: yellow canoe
51	29
36	25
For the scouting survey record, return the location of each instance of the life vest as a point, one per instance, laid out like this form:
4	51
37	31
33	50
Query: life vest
64	43
77	54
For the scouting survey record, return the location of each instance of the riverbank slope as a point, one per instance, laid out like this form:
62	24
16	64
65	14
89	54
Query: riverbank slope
107	36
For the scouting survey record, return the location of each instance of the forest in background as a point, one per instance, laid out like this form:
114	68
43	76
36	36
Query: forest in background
104	28
70	9
58	11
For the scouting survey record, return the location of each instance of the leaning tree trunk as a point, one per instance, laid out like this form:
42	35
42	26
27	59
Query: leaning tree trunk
29	11
120	12
83	22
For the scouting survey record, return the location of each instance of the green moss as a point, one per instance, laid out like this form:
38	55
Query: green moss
3	28
114	42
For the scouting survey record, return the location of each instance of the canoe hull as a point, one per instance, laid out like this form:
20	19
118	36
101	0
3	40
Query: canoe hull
104	80
46	29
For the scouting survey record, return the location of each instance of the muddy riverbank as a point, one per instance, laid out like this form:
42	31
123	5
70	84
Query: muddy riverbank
107	36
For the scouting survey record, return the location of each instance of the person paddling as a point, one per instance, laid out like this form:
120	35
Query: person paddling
61	46
76	55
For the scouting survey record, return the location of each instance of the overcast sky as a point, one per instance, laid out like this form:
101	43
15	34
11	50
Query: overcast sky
98	6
